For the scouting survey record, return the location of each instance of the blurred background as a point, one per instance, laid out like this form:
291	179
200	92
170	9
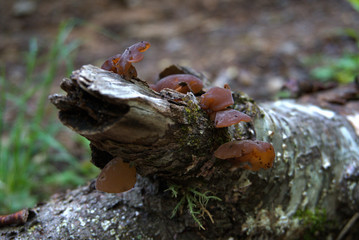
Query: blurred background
255	46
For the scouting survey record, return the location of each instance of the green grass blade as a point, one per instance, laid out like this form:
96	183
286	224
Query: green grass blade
28	139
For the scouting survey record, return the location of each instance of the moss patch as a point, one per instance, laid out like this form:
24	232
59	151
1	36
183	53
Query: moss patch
316	222
194	200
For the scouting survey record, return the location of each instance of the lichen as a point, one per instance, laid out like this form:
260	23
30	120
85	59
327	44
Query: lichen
267	222
105	224
82	222
112	232
96	219
63	224
35	228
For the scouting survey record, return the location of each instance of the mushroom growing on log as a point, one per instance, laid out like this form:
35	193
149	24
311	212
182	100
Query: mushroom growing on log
229	117
182	83
171	144
248	154
170	141
116	177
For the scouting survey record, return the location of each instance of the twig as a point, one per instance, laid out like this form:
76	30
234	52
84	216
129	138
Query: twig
348	226
17	218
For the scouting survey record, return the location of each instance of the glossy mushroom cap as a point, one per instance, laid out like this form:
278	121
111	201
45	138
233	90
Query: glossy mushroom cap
122	63
116	177
136	50
216	99
226	118
110	63
182	83
131	55
248	154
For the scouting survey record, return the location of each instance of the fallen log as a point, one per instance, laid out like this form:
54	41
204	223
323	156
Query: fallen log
182	190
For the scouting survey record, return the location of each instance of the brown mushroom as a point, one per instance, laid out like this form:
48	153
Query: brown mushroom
116	177
248	154
216	99
110	63
228	117
122	63
182	83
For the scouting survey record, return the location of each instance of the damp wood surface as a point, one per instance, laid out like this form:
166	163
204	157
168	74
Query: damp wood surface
171	143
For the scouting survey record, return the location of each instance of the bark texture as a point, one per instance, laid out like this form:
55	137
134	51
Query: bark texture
312	188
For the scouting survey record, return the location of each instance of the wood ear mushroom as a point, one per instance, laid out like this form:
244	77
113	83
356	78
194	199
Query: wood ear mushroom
216	99
122	63
116	177
228	117
247	154
182	83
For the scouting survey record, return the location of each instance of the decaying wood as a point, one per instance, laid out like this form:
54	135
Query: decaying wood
130	120
171	142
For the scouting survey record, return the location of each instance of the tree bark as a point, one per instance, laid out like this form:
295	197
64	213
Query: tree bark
311	189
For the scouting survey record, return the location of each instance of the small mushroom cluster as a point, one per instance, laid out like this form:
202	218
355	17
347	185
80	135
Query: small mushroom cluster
122	63
216	102
247	154
118	176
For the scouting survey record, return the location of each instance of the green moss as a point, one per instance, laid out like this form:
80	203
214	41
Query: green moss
190	137
192	113
197	124
314	221
194	200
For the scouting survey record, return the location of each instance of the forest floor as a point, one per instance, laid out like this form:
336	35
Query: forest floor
258	46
